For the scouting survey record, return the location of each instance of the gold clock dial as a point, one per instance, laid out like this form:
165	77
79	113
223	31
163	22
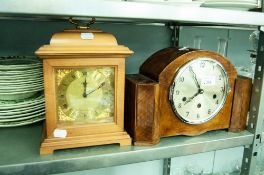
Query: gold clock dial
85	95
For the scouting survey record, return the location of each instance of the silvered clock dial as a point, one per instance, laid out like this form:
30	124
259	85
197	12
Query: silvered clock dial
199	90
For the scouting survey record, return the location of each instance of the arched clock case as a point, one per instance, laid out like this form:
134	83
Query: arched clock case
179	91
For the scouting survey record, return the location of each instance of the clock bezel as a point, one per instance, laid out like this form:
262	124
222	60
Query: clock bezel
221	103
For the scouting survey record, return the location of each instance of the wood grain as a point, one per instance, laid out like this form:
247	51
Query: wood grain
48	146
161	67
69	50
241	103
141	115
170	124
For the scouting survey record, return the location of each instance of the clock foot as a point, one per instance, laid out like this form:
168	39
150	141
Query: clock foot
50	144
125	142
45	150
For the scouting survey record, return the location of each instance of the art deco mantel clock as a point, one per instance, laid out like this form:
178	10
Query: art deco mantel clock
84	73
179	91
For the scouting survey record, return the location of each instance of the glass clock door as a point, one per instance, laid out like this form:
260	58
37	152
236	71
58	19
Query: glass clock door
85	95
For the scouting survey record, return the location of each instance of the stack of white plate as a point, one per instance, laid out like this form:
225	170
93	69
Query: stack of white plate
21	91
23	112
231	4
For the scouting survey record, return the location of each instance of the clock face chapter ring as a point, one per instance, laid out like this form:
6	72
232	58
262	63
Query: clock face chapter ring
199	90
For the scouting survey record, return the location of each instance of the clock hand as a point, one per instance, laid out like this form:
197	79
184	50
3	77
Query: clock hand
85	85
200	91
192	97
101	85
195	78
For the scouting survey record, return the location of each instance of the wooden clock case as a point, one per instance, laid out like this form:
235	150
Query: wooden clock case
75	49
148	112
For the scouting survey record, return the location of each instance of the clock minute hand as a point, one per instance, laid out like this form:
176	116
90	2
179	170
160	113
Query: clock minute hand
195	78
101	85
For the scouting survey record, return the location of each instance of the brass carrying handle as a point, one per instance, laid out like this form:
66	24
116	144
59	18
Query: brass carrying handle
82	26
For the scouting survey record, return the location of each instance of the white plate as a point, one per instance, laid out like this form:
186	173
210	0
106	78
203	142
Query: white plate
21	72
19	87
21	123
39	97
19	95
6	85
18	115
21	75
19	63
19	79
21	117
23	107
24	85
19	67
21	90
21	110
230	5
20	84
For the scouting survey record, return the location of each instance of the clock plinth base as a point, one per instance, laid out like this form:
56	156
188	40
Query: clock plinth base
49	145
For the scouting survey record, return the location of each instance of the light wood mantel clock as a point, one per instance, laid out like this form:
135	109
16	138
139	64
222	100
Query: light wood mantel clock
84	73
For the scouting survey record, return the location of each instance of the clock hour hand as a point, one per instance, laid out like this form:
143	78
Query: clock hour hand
101	85
84	88
195	78
200	91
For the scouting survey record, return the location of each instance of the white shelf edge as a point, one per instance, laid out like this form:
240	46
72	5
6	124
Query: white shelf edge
129	11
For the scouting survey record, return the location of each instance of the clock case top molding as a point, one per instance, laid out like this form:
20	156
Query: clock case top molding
69	50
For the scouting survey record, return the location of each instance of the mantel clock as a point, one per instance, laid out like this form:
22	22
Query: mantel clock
84	73
179	91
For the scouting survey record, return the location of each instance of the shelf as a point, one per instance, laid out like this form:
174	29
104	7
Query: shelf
126	11
20	151
19	147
